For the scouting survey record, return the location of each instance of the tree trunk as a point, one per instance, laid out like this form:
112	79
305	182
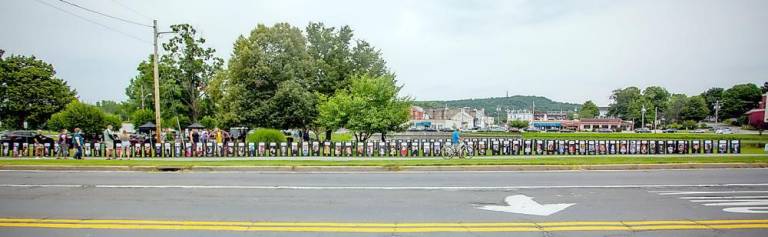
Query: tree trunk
328	134
20	123
384	137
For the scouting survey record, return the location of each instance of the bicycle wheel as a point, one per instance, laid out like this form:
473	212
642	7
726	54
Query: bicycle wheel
448	153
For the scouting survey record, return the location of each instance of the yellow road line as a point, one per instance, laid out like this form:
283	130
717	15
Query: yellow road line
385	227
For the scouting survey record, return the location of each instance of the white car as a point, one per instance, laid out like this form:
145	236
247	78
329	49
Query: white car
724	131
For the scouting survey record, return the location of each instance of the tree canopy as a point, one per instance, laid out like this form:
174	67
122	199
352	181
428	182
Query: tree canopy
30	92
370	105
739	99
589	110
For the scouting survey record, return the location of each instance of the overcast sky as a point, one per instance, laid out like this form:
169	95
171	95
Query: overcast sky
566	50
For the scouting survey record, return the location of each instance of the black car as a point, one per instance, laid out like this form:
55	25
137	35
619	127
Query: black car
24	136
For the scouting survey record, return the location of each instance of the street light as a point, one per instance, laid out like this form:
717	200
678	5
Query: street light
717	109
643	117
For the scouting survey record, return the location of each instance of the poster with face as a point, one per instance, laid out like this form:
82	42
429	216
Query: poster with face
391	148
294	148
695	146
471	148
305	148
633	147
158	150
7	148
623	149
315	148
326	148
403	149
612	149
682	147
707	148
382	149
652	147
438	150
602	148
272	149
505	147
671	147
137	150
591	150
561	147
495	147
147	150
284	149
359	149
551	147
538	148
252	149
644	147
369	150
722	146
482	147
527	147
16	149
582	147
514	147
86	150
337	147
414	148
735	146
241	149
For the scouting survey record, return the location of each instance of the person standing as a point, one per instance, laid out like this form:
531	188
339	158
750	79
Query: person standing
63	145
219	136
38	139
79	141
109	141
125	143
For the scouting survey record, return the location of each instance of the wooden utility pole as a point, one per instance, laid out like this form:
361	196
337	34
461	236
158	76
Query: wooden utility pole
156	77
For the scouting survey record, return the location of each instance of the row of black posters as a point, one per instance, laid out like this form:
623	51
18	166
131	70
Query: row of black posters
401	148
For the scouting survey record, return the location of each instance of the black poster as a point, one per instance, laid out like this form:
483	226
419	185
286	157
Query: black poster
633	147
735	146
527	147
515	149
582	147
572	148
551	147
671	147
722	146
602	148
708	147
539	148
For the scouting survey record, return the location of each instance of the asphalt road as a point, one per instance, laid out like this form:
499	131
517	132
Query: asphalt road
723	202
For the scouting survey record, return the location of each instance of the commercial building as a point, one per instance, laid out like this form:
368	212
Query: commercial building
756	117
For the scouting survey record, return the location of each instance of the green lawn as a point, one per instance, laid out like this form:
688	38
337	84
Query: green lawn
581	160
616	136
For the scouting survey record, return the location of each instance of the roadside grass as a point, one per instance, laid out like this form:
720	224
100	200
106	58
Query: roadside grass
616	136
518	160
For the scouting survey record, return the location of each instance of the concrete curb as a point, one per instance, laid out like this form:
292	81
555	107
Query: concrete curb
387	168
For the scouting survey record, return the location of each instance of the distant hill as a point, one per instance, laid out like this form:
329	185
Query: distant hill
511	102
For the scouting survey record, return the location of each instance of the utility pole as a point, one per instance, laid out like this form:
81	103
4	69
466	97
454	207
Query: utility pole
655	118
156	76
643	117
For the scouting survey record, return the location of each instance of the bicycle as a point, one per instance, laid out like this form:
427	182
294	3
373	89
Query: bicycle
460	150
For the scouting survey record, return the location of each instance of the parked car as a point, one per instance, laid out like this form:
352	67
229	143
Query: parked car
669	130
642	130
532	130
567	131
605	130
699	131
553	130
514	130
724	131
24	136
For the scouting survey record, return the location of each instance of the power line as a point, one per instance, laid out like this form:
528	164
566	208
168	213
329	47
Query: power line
106	15
94	22
132	10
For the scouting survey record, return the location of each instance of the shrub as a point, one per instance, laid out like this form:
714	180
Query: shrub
266	135
114	120
688	124
87	117
142	116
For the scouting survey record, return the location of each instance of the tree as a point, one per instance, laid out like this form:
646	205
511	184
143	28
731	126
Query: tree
657	96
739	99
688	124
194	66
520	124
293	106
589	110
259	63
370	105
87	117
675	106
30	92
711	96
142	116
695	109
622	99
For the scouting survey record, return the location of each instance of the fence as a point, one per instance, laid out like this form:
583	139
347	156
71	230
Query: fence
395	148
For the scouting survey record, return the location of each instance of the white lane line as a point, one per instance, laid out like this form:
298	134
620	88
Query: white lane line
733	200
710	192
383	187
748	210
728	197
745	203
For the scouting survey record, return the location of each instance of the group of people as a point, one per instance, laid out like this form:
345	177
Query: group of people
77	141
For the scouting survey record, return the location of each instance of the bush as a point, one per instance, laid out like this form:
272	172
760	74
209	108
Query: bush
78	115
266	135
142	116
689	124
518	124
674	126
114	120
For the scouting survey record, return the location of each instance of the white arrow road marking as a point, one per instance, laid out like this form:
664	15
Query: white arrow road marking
750	210
526	205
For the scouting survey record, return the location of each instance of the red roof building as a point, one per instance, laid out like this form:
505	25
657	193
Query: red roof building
756	117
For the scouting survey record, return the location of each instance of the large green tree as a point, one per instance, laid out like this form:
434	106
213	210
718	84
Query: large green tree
194	66
30	92
675	106
370	105
623	101
695	109
739	99
589	110
712	96
657	96
84	116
